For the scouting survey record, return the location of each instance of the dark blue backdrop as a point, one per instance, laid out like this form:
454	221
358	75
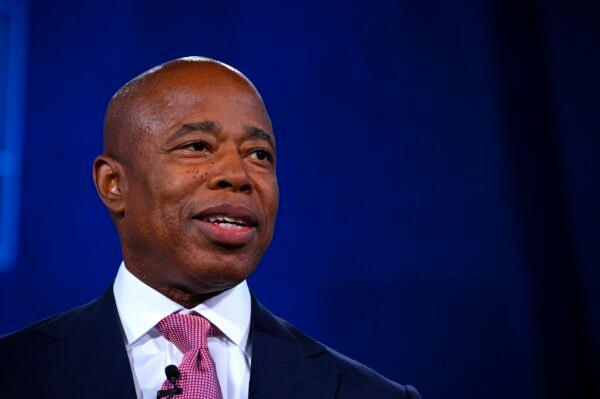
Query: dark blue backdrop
438	171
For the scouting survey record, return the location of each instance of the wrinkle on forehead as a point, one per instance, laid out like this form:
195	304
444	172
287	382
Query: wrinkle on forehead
142	105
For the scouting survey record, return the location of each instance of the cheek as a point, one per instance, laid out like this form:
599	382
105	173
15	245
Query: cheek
169	192
274	190
269	193
174	182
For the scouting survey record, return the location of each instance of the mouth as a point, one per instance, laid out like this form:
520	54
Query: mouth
227	225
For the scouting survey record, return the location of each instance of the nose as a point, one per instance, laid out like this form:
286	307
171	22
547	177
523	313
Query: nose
229	173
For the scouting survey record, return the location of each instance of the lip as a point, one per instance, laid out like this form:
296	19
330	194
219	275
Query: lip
225	236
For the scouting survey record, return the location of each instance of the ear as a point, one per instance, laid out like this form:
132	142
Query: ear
111	184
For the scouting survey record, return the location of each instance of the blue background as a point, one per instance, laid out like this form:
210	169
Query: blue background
438	167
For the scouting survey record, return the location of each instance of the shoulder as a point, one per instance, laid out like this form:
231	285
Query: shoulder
20	346
356	379
366	382
39	334
18	352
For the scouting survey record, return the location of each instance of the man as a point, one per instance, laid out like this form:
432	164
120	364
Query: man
188	176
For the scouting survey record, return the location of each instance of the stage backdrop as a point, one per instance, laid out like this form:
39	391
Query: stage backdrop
438	166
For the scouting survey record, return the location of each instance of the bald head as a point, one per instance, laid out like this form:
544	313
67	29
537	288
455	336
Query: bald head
145	103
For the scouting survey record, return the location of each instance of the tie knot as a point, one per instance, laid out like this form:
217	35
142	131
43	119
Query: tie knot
187	331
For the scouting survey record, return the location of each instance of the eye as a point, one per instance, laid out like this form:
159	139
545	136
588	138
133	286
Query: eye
262	155
197	146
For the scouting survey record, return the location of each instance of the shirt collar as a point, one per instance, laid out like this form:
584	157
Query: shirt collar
141	307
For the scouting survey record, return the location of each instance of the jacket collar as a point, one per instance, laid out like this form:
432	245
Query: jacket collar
141	307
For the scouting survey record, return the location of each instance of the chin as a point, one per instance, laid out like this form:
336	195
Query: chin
207	267
218	275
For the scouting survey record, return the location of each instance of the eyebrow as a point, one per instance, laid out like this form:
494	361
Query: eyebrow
204	126
256	133
213	128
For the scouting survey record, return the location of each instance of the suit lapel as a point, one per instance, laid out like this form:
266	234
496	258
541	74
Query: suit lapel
88	358
285	363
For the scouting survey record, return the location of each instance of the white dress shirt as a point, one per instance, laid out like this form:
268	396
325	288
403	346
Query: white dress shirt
140	307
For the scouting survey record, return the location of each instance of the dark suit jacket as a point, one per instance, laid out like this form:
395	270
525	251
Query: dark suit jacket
81	354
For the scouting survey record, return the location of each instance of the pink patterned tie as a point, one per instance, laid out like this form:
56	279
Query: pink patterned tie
189	333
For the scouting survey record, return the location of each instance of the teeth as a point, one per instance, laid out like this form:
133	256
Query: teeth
230	225
225	220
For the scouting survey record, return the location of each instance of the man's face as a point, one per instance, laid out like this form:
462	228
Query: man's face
202	192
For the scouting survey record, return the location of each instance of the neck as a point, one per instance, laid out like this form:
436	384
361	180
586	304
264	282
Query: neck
182	296
178	292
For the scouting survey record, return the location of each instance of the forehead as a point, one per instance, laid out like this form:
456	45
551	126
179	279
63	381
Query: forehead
194	95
